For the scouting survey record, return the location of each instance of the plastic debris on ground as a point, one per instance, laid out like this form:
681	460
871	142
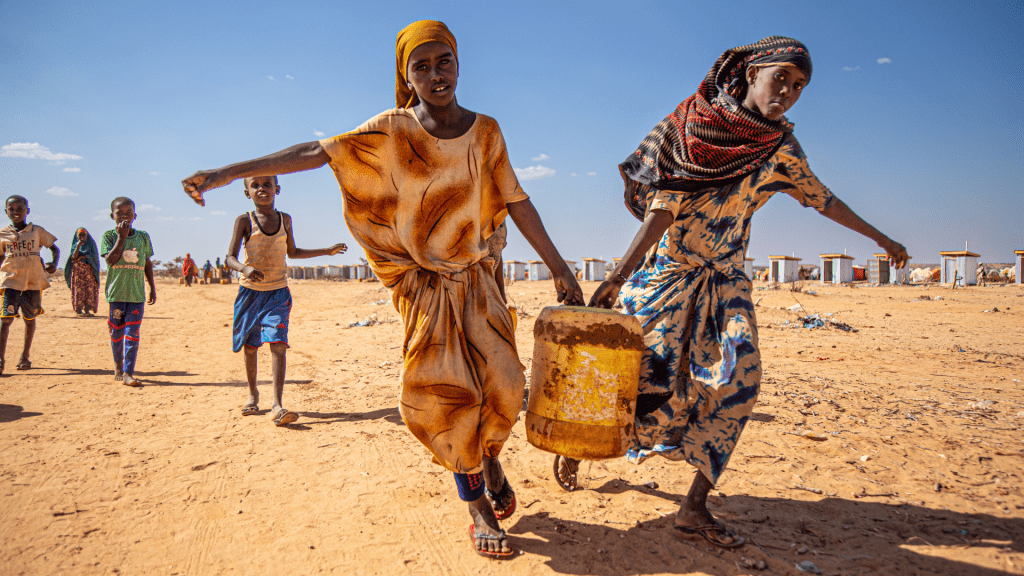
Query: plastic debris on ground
796	307
371	321
808	566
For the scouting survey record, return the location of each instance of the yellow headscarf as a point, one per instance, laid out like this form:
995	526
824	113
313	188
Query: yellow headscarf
413	35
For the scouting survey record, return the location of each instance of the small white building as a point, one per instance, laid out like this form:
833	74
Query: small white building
1019	263
515	270
879	269
362	271
898	275
748	267
539	270
836	269
959	265
783	269
593	270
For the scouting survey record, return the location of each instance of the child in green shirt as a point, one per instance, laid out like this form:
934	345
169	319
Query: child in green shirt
127	252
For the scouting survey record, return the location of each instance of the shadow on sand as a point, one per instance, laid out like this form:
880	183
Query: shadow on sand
840	536
12	412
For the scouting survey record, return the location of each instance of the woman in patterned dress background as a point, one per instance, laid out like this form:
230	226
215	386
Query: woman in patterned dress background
695	182
82	273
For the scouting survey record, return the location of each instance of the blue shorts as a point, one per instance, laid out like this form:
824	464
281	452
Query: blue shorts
261	317
28	302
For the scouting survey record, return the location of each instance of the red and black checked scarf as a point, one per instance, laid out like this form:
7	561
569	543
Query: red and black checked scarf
710	140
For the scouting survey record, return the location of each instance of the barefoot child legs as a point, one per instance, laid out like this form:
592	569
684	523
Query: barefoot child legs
264	301
127	252
22	275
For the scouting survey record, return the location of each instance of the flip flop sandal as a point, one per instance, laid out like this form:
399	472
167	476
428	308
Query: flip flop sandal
250	410
481	538
24	365
285	417
706	531
568	480
503	501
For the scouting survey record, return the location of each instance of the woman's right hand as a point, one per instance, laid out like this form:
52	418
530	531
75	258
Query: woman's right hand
567	288
200	182
606	294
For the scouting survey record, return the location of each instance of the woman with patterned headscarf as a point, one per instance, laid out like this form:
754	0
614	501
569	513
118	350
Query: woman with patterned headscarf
82	273
424	187
694	182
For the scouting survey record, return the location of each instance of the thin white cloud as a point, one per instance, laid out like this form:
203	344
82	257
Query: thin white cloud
35	151
534	172
270	77
155	174
289	76
318	134
218	213
101	215
850	68
196	218
541	157
573	174
60	191
72	169
162	219
146	208
591	173
884	61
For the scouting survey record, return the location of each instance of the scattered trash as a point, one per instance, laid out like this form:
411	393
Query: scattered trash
808	566
983	405
938	487
371	321
651	485
1020	414
865	458
811	292
993	309
385	364
796	307
801	550
379	302
751	563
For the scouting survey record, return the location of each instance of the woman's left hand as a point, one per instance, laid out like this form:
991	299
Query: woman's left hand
606	295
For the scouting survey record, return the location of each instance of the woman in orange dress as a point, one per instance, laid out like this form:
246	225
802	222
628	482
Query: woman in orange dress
424	186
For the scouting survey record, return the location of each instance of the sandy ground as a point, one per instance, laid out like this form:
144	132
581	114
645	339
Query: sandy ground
917	474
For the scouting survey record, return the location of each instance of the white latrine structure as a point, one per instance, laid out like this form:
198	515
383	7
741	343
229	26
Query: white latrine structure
836	269
783	269
959	265
515	270
748	267
1018	259
593	270
539	270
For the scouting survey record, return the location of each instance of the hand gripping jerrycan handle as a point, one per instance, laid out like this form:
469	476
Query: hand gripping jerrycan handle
583	384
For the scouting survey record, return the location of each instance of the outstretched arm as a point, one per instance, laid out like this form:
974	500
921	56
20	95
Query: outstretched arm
294	252
653	228
840	213
528	221
300	157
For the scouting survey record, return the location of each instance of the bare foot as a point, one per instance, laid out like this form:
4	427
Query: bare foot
118	374
694	519
485	524
129	380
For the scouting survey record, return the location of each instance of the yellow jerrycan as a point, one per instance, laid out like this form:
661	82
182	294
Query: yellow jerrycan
583	384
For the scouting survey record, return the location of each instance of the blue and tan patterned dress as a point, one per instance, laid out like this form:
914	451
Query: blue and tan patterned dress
701	372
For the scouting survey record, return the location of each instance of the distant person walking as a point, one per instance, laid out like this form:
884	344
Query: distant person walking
82	273
189	270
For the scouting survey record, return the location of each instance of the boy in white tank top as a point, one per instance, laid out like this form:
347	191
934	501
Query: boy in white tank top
264	302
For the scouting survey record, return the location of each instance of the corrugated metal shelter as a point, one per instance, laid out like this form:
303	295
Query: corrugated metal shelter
836	269
515	269
783	269
879	269
1019	263
959	265
748	267
539	270
593	270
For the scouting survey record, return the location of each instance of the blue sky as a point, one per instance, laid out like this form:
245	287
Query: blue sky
913	116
